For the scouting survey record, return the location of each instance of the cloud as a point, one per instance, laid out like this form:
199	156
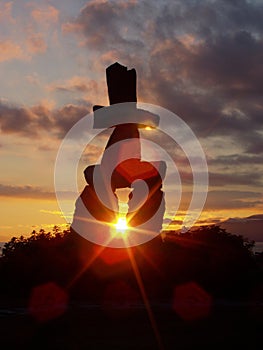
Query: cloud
102	22
15	119
201	89
25	33
33	121
33	192
25	192
237	160
51	212
240	73
65	117
209	221
75	84
249	178
36	44
45	15
6	12
255	146
187	64
11	51
201	60
221	200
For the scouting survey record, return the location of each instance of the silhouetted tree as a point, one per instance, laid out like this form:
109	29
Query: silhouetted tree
220	262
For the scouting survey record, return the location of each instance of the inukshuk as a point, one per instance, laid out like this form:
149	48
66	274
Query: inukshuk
97	207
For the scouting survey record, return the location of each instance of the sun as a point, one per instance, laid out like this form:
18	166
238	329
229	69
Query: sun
121	225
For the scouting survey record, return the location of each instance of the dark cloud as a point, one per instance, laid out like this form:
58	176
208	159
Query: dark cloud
200	59
207	18
31	122
15	119
112	24
235	178
208	221
233	200
212	90
33	192
65	117
25	192
256	144
204	59
230	62
237	160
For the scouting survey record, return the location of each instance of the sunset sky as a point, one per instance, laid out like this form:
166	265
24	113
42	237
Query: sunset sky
202	60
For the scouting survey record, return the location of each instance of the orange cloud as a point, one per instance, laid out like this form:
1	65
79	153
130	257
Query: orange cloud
36	44
189	40
76	83
70	27
88	89
10	50
45	15
6	12
51	212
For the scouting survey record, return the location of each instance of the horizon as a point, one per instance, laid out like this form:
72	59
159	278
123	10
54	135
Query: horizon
177	228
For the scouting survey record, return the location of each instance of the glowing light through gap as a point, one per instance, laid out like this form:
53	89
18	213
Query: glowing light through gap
121	225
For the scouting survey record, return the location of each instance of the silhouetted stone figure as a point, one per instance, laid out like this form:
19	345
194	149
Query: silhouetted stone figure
121	84
123	153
